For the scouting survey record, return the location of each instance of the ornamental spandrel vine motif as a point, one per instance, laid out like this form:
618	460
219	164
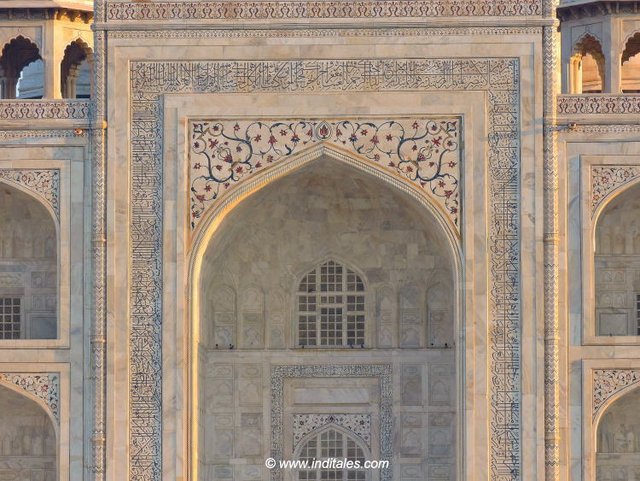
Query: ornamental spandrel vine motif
425	151
45	183
607	382
43	386
332	9
497	77
606	179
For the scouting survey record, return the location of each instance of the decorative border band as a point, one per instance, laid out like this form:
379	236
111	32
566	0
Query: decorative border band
499	78
45	110
598	104
45	386
327	9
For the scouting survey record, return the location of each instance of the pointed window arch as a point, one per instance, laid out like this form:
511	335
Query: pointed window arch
21	70
631	65
332	443
75	70
587	66
330	307
29	265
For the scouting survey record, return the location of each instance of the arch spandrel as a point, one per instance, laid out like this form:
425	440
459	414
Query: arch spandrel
41	184
607	182
424	152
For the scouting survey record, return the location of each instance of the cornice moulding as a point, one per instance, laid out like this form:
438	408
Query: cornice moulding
423	22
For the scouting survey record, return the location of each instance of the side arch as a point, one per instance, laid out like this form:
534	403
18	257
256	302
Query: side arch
597	417
39	198
40	402
604	203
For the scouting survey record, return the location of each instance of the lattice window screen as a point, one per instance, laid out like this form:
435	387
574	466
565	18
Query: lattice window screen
10	317
330	309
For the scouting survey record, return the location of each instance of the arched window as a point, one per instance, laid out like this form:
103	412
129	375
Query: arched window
587	66
331	307
617	266
16	55
332	443
75	71
28	268
631	65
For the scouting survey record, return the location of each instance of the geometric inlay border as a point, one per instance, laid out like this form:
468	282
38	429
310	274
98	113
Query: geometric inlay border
45	386
423	150
380	371
45	183
605	179
499	78
607	382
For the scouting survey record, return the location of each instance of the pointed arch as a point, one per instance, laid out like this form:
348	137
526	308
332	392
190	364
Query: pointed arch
75	70
212	225
39	401
231	199
610	196
331	426
36	196
616	257
616	432
16	54
587	65
630	64
29	244
28	425
334	441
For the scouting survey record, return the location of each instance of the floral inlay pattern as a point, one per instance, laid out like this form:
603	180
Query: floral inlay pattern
358	424
43	182
607	178
607	382
425	151
43	386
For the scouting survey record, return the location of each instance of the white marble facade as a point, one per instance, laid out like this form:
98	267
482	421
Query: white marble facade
170	241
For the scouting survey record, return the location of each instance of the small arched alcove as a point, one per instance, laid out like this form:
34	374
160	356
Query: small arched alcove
631	65
28	259
617	266
20	62
618	439
75	70
28	442
587	66
338	251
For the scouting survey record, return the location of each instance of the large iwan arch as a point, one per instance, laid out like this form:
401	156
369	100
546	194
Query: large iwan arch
259	238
